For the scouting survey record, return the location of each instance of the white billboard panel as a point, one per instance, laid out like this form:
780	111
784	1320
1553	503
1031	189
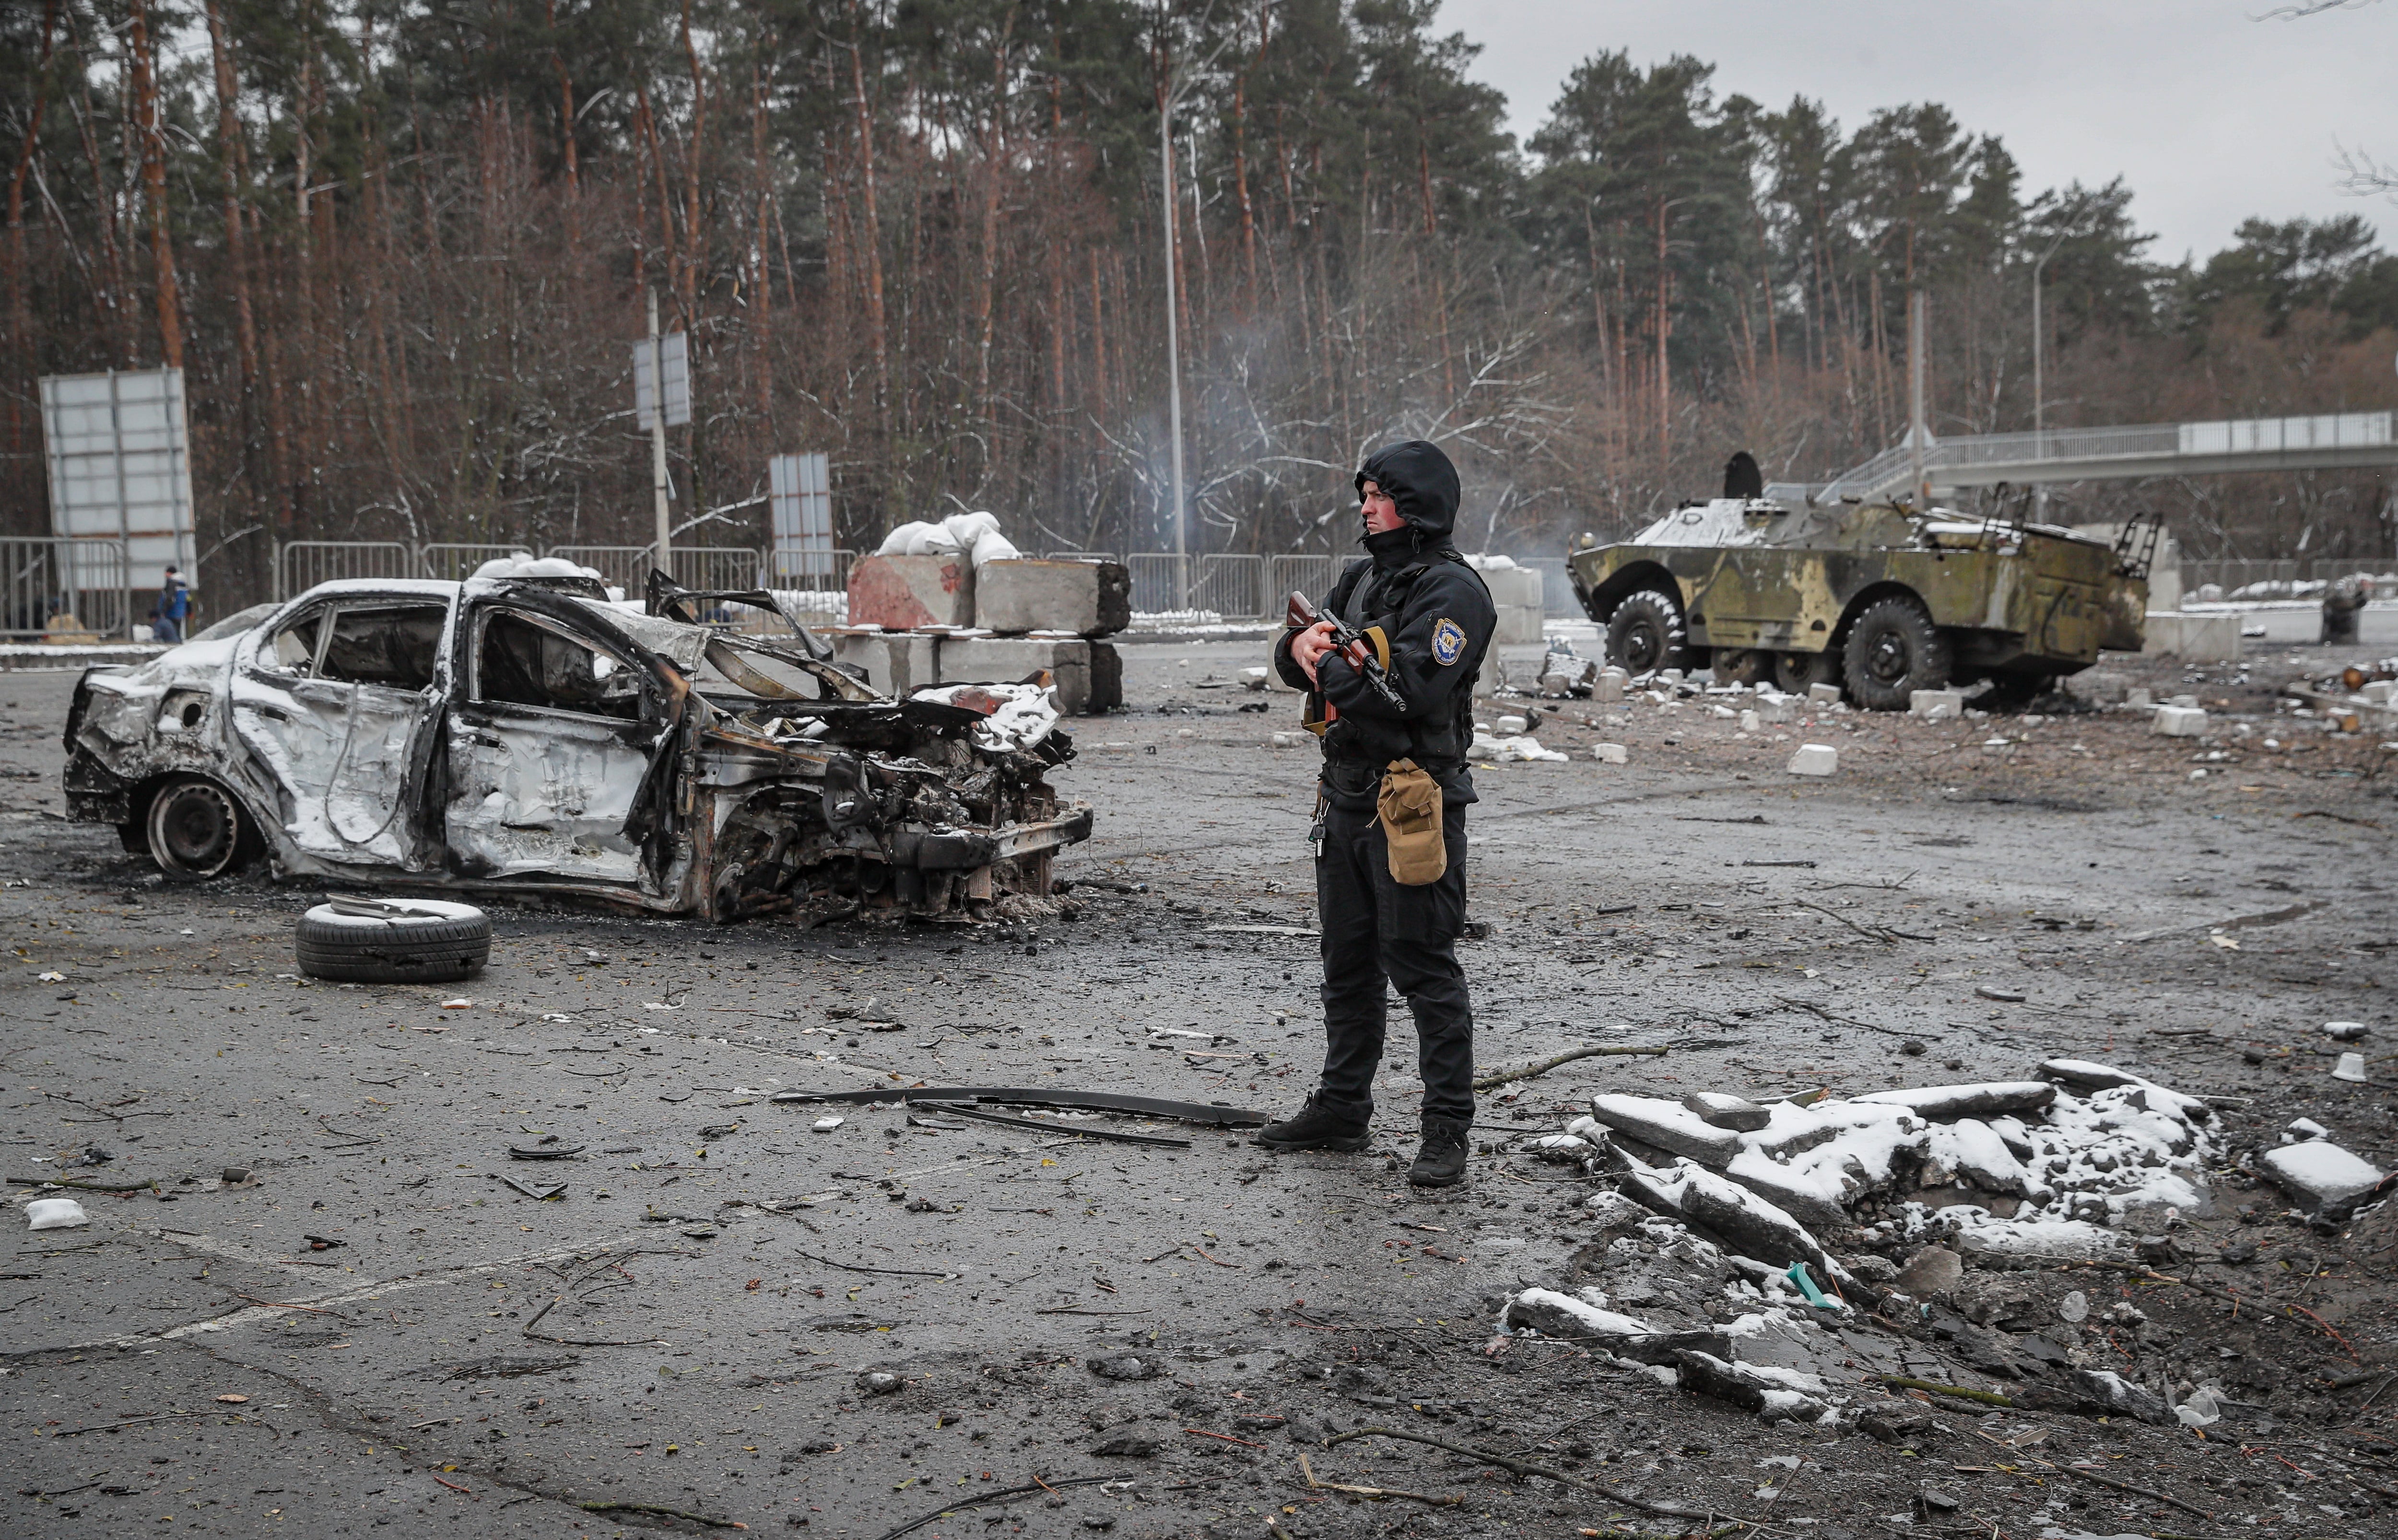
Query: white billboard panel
799	487
120	468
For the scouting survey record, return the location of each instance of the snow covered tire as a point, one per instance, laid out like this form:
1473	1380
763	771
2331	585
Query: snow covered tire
394	941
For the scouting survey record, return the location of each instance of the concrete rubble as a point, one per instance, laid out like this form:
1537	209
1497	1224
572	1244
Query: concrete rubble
1717	1216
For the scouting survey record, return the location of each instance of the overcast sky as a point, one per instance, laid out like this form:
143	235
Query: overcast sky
2208	115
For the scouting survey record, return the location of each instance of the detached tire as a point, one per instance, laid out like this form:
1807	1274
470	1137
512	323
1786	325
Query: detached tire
1893	651
1646	634
404	941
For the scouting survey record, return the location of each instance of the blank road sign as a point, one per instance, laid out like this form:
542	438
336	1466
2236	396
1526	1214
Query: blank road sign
799	489
120	465
676	348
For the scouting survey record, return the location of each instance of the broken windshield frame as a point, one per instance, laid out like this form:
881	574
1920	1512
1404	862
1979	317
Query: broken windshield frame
500	674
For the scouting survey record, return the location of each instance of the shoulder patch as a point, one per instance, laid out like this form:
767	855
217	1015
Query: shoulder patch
1448	642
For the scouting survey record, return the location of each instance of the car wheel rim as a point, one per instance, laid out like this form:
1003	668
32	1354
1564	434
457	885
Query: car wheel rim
193	830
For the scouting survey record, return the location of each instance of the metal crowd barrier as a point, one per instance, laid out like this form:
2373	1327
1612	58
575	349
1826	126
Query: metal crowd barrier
66	588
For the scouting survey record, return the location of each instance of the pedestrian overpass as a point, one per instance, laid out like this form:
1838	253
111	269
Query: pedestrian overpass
2336	442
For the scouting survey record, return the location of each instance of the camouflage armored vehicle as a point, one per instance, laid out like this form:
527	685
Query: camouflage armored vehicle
1873	596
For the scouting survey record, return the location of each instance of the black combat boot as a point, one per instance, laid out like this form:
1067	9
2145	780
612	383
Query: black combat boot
1440	1161
1321	1124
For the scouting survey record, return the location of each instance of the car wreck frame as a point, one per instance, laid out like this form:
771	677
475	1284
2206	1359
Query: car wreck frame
528	734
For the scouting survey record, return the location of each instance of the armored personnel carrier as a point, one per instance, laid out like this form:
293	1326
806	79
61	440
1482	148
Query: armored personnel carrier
1875	597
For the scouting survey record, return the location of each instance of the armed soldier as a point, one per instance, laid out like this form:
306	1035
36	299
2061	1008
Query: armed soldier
1389	670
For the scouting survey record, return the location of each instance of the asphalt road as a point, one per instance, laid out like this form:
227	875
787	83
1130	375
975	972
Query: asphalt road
421	1348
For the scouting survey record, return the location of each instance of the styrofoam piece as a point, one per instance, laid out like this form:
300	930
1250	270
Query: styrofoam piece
1814	759
1828	694
1935	705
56	1213
1610	753
2179	722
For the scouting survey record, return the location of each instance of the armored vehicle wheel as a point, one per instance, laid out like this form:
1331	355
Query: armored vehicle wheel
1793	673
195	830
1744	665
1893	651
1645	633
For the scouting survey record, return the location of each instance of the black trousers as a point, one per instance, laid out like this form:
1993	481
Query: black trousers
1376	930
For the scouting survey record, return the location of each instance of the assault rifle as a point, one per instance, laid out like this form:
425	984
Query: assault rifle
1369	651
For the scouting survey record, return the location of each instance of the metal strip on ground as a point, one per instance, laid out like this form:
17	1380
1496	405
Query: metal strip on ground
1033	1096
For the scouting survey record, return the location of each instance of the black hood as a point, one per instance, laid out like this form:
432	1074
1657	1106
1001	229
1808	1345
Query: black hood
1422	482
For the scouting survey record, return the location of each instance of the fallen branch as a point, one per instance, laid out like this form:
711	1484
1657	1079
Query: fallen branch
656	1508
2150	1275
2150	1492
135	1422
1508	1462
981	1498
2089	1475
901	1272
1203	1433
579	1341
1987	1398
1499	1077
1375	1493
1851	1021
150	1183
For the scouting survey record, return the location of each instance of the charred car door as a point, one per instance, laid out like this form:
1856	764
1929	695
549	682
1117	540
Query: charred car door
553	732
335	704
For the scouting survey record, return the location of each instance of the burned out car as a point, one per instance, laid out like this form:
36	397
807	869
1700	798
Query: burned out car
690	754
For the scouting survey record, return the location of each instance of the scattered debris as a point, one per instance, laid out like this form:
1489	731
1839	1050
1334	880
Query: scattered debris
1124	1366
1497	1078
548	1149
1141	1106
55	1213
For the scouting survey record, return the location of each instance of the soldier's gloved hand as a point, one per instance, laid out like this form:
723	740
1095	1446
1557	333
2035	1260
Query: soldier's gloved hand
1307	649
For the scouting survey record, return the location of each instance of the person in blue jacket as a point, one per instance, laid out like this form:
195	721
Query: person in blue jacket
1436	619
174	604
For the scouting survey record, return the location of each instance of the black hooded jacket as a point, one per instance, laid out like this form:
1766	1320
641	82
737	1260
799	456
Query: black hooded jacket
1439	619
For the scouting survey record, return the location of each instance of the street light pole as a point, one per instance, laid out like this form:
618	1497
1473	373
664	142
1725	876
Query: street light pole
1916	429
2038	394
1173	331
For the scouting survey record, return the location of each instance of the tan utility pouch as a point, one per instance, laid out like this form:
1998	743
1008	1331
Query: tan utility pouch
1410	811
